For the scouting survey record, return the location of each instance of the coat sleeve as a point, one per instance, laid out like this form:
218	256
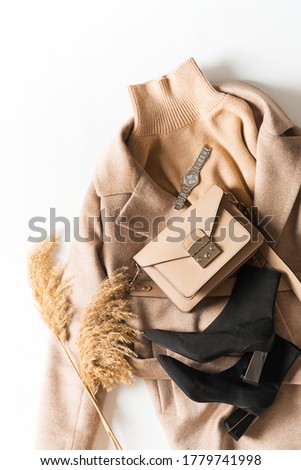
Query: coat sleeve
67	420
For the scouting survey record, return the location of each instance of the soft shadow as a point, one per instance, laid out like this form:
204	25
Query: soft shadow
288	99
220	73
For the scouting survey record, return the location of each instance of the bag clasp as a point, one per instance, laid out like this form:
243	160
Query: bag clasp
204	251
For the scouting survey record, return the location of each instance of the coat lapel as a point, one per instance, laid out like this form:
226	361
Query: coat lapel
148	207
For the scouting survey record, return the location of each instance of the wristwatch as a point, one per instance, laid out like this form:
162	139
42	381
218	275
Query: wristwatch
192	178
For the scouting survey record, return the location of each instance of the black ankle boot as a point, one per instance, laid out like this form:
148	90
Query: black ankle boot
246	324
227	386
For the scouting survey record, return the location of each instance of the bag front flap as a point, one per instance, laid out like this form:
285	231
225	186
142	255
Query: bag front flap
168	245
175	251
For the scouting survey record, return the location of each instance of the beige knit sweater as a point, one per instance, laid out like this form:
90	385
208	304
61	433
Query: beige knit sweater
177	114
256	152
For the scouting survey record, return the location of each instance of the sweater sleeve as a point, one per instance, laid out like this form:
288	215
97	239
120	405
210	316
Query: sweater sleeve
67	420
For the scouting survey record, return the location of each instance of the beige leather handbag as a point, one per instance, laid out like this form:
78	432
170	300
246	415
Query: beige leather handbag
210	240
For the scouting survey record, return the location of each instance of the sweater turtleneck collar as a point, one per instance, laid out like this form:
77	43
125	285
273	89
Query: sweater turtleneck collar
173	101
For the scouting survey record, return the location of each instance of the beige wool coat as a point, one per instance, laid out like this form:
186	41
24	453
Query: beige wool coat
67	419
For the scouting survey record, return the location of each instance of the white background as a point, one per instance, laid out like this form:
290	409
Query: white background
64	71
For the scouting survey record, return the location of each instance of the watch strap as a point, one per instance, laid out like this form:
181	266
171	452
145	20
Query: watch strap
196	168
200	161
182	196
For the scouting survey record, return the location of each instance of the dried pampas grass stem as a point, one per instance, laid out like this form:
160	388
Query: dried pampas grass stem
51	293
94	402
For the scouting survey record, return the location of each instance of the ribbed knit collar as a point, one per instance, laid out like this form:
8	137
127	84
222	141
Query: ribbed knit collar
173	101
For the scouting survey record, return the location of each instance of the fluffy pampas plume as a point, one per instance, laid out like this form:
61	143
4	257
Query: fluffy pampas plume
51	293
105	339
49	290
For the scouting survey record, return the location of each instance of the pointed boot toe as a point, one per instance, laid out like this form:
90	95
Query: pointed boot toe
181	374
162	337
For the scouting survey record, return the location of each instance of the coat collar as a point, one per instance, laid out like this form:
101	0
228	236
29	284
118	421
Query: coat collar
278	156
278	167
120	173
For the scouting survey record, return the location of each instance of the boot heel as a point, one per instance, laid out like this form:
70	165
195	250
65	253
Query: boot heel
239	422
255	366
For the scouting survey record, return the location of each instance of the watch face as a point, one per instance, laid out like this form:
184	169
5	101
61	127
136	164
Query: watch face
191	179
